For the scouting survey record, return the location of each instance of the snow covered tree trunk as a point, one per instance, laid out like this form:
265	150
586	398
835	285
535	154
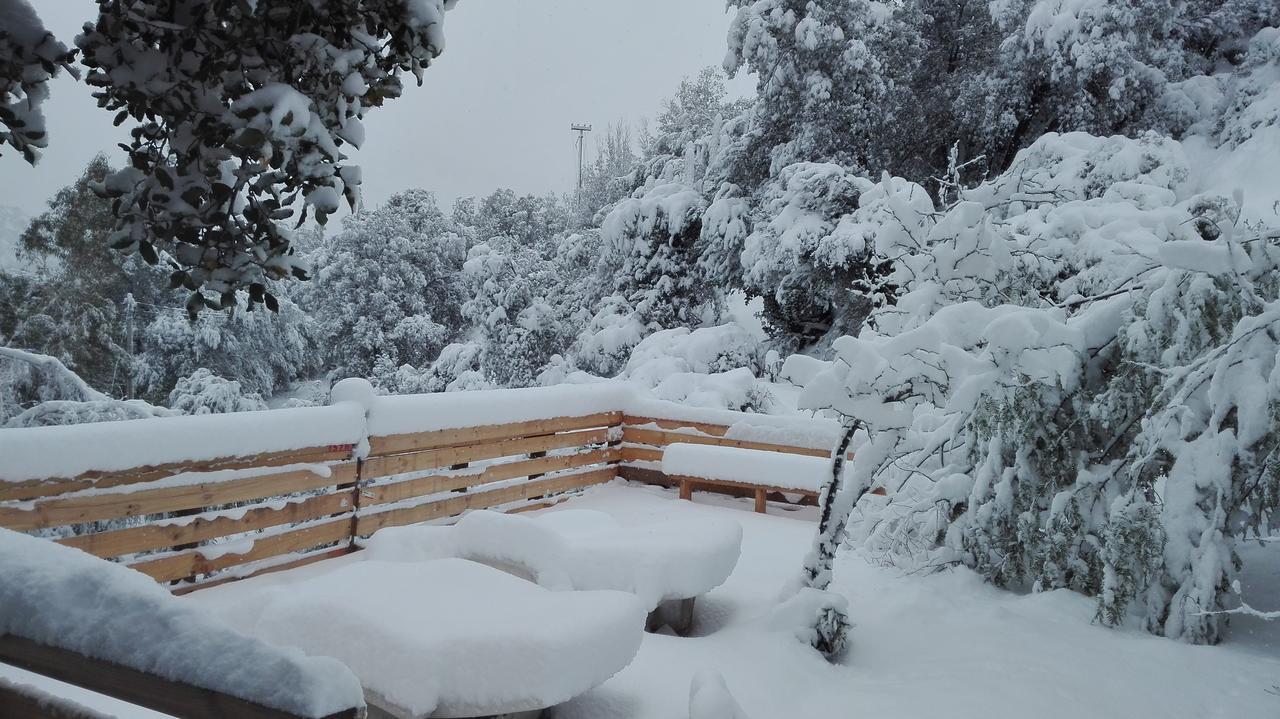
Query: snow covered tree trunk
831	624
833	519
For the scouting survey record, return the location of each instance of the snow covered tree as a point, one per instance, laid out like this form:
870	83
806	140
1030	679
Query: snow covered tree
204	392
389	285
242	112
30	56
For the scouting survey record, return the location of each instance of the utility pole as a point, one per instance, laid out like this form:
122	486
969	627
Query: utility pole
582	131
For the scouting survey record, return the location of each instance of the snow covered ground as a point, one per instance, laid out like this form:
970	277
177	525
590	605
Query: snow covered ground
924	646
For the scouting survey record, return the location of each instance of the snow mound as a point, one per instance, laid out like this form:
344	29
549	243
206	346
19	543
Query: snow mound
580	550
709	698
749	466
64	598
452	638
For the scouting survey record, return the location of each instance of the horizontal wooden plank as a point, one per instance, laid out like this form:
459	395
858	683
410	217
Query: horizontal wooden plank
716	430
702	481
191	562
662	438
162	536
52	487
97	507
656	477
399	443
367	524
423	486
139	688
18	704
641	454
312	558
449	456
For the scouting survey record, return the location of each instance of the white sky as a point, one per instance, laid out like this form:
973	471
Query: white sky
494	111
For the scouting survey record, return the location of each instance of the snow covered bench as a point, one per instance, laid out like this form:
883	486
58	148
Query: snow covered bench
758	471
454	638
667	565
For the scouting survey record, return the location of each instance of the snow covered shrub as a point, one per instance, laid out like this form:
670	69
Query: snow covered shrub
37	390
603	346
30	56
204	392
291	81
1078	387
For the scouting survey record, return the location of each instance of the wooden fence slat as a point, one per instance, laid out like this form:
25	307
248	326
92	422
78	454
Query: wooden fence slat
191	562
15	704
370	523
716	430
97	507
303	561
641	454
662	438
161	536
423	486
130	685
448	456
400	443
102	480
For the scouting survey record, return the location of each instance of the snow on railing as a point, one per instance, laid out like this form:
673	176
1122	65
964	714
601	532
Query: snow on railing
196	500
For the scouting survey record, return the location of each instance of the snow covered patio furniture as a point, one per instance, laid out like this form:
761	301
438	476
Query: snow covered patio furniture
99	625
666	564
450	637
750	469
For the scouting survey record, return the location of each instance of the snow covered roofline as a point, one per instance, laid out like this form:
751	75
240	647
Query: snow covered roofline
59	598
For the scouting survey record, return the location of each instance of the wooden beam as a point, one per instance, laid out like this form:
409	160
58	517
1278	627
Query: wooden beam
444	457
662	438
434	484
35	489
641	454
162	536
96	507
370	523
761	504
312	558
187	563
179	699
754	488
399	443
17	704
716	430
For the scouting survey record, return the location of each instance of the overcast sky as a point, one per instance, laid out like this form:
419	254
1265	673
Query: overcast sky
494	111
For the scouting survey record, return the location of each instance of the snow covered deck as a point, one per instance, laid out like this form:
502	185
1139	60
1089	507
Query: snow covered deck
924	645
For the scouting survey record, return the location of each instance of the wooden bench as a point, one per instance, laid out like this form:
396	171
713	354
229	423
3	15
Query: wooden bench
756	471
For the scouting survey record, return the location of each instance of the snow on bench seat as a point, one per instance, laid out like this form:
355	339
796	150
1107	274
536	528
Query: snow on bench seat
453	638
744	468
63	598
581	550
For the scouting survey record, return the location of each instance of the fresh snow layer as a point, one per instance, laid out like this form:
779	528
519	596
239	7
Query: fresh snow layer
404	414
749	466
70	450
452	638
923	645
65	598
582	550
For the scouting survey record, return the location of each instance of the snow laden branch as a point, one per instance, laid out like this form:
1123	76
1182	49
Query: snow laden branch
1077	391
242	112
30	56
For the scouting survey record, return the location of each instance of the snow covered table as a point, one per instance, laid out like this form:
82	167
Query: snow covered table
751	469
665	564
453	638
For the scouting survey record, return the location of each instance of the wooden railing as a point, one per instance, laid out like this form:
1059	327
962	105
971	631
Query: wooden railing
193	524
196	523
